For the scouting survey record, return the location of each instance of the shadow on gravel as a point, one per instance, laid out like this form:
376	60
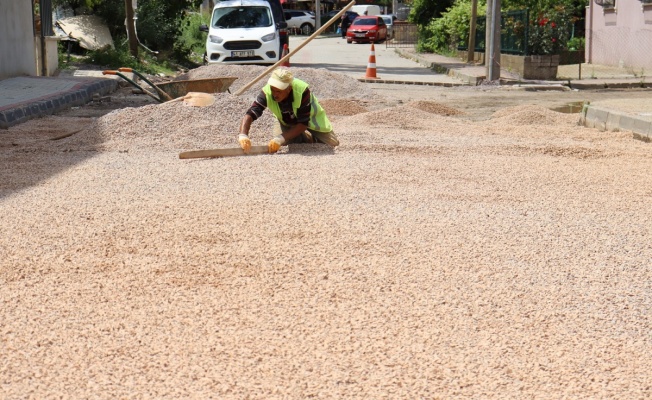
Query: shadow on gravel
317	149
30	157
35	150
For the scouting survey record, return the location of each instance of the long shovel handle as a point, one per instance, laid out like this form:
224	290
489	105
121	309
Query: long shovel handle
121	75
299	47
164	96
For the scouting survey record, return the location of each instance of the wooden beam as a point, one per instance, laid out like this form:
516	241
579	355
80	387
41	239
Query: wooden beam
231	152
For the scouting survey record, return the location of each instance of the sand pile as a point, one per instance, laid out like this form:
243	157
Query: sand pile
172	126
426	257
176	126
324	83
342	107
435	108
532	115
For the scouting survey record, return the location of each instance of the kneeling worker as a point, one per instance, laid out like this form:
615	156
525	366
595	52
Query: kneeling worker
300	117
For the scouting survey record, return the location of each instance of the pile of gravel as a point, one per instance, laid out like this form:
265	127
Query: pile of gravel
342	107
172	126
323	83
531	115
435	108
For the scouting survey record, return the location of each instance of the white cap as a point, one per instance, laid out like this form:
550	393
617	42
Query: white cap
281	78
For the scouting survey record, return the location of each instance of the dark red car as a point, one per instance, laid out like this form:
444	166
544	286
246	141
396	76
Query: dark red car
367	29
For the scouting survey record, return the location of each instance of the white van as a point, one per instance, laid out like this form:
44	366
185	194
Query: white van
243	32
371	10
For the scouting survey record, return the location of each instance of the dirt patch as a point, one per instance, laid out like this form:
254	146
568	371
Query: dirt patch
342	107
501	254
435	108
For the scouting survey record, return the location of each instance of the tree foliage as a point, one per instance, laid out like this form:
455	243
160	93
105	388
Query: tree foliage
424	11
159	22
550	31
551	22
443	34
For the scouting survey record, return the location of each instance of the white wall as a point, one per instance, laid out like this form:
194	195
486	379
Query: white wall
16	39
621	36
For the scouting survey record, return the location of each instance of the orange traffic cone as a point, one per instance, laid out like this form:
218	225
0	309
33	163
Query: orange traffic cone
285	63
371	66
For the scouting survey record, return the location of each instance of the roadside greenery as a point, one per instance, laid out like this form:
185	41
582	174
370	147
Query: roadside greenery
442	35
167	30
120	57
550	30
424	11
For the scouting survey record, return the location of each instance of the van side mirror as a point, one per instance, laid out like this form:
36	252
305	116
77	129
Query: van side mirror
203	28
282	25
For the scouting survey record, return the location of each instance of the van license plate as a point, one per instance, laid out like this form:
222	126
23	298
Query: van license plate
248	53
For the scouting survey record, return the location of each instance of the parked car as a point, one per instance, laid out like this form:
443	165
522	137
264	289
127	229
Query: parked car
366	9
246	32
367	29
303	21
389	21
327	17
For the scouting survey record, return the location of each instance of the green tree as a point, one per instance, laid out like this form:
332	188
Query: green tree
424	11
551	26
442	35
159	23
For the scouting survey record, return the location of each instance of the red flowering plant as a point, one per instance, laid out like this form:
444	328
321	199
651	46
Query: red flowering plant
550	31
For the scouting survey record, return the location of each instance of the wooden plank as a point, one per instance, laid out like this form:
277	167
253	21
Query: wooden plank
231	152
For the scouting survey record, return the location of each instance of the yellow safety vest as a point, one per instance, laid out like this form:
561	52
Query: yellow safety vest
318	120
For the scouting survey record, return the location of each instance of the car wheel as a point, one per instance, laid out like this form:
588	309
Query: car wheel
306	29
349	41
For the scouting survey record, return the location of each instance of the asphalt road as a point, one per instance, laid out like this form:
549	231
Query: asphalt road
334	54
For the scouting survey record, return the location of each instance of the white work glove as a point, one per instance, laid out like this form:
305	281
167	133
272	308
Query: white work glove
275	144
245	142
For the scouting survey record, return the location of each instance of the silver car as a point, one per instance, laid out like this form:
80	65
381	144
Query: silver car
302	21
389	21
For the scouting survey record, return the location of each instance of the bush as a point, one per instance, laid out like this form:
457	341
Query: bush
109	58
550	31
442	35
191	43
576	43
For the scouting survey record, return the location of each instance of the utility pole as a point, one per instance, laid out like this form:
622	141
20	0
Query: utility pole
492	47
131	28
474	13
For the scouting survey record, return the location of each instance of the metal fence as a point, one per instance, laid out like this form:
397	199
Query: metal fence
514	31
405	35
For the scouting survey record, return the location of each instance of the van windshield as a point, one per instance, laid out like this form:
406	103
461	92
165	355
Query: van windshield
365	21
242	17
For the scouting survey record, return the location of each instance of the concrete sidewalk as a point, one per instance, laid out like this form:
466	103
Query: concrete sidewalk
622	115
577	76
26	97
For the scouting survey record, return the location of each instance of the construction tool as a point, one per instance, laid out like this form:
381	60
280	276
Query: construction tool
299	47
196	99
196	92
231	152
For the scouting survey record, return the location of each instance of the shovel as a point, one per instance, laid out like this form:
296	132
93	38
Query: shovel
196	99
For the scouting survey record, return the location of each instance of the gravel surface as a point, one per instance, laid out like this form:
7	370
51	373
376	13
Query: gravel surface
428	256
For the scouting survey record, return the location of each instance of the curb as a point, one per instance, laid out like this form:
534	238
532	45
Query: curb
423	83
474	80
80	94
615	121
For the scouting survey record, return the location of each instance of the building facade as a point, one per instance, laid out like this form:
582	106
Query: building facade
619	33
